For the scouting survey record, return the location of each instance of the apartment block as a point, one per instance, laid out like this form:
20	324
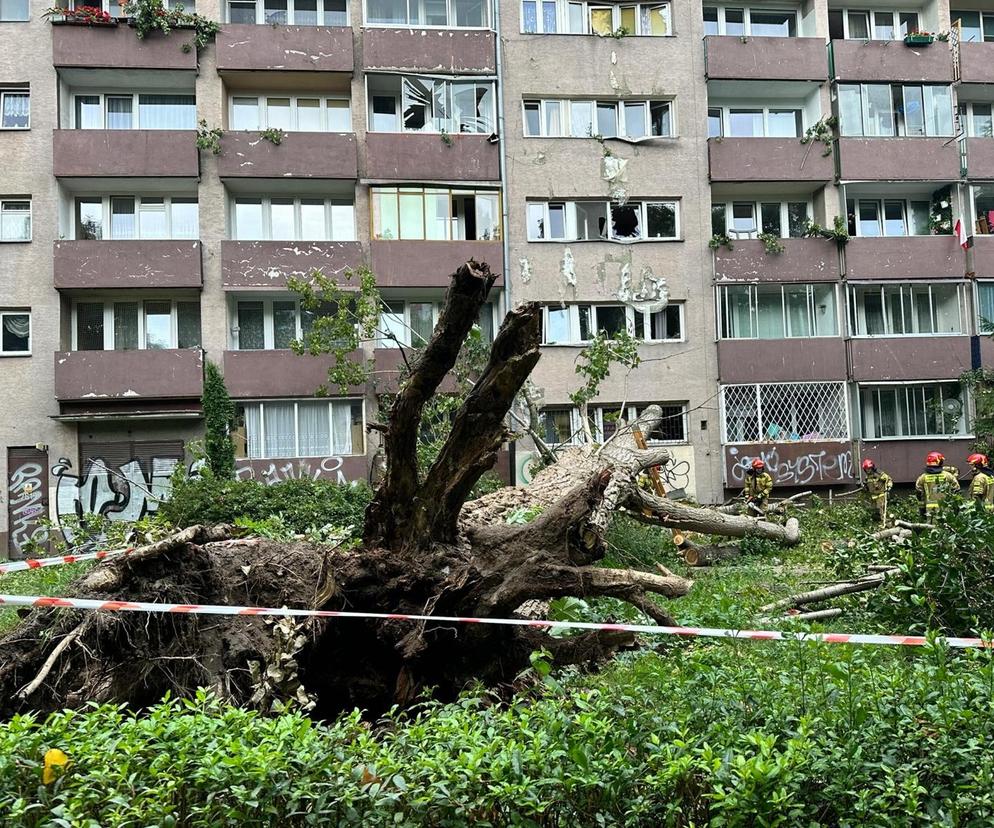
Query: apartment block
765	196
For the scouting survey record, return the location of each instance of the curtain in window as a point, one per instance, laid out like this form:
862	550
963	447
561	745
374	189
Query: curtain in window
253	430
279	429
341	425
313	439
167	112
16	109
125	326
17	326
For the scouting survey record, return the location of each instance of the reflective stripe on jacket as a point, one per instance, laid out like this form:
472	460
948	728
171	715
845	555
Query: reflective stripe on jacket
933	486
878	484
982	489
758	486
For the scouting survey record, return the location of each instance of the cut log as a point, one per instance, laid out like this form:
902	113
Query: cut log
915	527
696	555
813	597
780	505
815	615
892	532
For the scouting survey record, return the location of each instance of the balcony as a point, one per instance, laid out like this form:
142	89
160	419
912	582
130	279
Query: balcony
768	159
898	159
891	60
256	374
125	153
132	376
980	158
800	463
127	264
903	358
765	58
983	256
389	363
261	48
904	257
904	460
803	260
813	359
430	263
299	155
268	264
117	47
397	156
448	51
975	61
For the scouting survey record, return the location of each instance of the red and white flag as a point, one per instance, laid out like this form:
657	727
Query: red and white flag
961	233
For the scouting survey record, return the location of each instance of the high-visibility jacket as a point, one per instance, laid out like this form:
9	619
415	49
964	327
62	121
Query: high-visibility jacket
933	486
982	489
877	484
758	486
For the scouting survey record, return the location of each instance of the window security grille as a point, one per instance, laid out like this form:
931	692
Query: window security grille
784	412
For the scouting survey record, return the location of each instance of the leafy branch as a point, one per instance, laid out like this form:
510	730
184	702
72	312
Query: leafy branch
209	139
594	364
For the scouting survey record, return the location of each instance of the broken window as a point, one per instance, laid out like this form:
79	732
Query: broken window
591	219
588	220
626	221
429	105
577	324
609	119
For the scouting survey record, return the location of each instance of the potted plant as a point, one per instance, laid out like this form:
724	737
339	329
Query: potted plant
81	16
918	38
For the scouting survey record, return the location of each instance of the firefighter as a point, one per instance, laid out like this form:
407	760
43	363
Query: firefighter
982	485
758	487
877	484
934	484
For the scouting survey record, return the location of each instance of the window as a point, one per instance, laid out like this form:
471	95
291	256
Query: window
411	323
672	428
560	426
292	219
134	111
136	217
576	119
889	217
754	22
592	220
917	410
15	333
985	307
576	324
289	12
983	208
129	325
15	220
414	104
470	14
15	109
270	323
778	311
435	214
112	7
888	110
579	17
856	24
747	219
290	113
975	119
978	27
13	10
299	428
755	122
906	310
784	412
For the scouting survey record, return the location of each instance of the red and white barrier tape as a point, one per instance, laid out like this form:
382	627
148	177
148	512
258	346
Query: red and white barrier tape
39	563
688	632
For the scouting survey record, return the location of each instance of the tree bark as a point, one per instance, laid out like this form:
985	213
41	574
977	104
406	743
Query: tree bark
696	555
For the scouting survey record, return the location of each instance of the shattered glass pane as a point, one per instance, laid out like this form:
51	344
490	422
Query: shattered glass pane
611	319
417	103
625	221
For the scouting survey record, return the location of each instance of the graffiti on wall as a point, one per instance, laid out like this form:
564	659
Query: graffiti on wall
27	499
795	464
272	472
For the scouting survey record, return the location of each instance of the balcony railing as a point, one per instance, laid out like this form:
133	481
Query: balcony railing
799	359
803	260
252	264
452	51
898	159
298	155
127	264
119	153
765	58
430	263
903	358
904	257
257	374
134	376
891	60
399	156
262	48
768	159
118	47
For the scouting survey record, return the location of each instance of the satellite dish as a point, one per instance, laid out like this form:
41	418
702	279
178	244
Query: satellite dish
952	407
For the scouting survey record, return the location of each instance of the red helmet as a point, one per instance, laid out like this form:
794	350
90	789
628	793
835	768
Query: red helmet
934	458
977	460
758	464
868	464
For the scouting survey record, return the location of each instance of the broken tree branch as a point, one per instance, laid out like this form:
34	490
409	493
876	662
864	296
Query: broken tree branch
813	597
46	668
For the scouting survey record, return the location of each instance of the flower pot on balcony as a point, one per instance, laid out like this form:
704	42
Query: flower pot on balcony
918	39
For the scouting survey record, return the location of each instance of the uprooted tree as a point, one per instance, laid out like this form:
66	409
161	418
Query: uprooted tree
424	550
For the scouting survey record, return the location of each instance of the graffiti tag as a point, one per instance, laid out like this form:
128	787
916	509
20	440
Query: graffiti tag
818	466
273	472
28	503
675	474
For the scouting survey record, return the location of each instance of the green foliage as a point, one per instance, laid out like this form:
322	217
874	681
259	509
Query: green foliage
771	244
147	16
822	131
630	543
208	138
301	505
523	514
981	386
219	419
344	313
838	232
595	361
720	240
274	135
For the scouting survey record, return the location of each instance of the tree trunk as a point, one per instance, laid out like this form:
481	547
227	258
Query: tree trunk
695	555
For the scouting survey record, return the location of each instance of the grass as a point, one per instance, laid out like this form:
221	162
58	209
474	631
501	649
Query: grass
52	580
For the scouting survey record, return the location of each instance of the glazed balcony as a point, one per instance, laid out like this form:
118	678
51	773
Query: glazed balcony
765	58
268	264
397	156
143	264
125	153
803	260
299	155
891	60
809	359
898	159
117	47
265	48
132	376
768	159
255	374
430	263
448	51
903	358
799	463
980	157
904	257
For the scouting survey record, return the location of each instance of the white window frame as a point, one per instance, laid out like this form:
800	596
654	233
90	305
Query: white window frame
570	221
135	109
965	400
747	18
262	107
17	312
6	210
573	312
724	310
260	14
563	16
857	309
433	125
108	300
453	223
871	24
269	326
900	123
105	208
880	203
406	335
984	13
758	390
267	222
631	414
982	328
766	109
350	401
450	14
19	92
566	119
966	113
18	19
757	207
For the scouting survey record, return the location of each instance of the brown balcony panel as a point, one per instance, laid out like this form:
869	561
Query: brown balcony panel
429	263
980	157
983	256
800	463
399	156
389	363
904	460
905	257
96	376
299	155
898	159
765	58
118	47
277	373
349	468
768	159
803	260
452	51
882	359
814	359
128	264
257	264
125	153
248	47
879	60
976	60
